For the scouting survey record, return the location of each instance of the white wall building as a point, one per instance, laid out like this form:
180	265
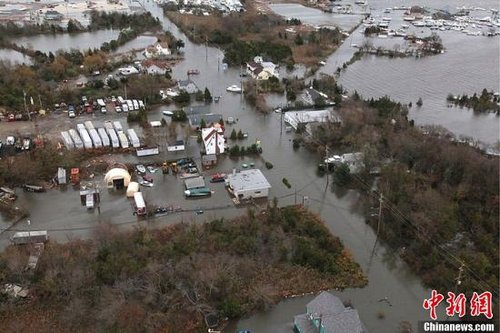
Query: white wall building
158	50
213	139
248	184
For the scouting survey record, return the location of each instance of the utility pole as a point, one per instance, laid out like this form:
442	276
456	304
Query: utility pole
25	106
281	123
327	168
295	194
381	200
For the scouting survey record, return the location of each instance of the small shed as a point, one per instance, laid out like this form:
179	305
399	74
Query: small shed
117	178
61	176
209	160
132	188
195	182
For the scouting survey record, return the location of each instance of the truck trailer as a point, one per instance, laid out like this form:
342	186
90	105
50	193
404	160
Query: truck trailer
134	139
68	142
76	138
104	137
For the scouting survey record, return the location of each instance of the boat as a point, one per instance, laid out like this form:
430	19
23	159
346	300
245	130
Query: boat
33	188
244	165
409	18
193	72
234	88
167	113
218	178
140	168
360	2
145	183
198	192
322	63
388	10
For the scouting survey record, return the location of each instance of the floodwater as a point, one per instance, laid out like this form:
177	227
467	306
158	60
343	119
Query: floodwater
60	211
468	65
14	57
315	17
80	41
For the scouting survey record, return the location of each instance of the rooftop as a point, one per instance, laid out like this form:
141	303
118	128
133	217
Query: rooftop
195	119
248	180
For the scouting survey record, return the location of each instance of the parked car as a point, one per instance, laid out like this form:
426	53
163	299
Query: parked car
125	107
71	114
147	178
10	141
103	109
118	109
11	117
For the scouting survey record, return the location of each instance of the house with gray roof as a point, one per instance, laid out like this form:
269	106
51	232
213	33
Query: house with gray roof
188	86
327	314
195	119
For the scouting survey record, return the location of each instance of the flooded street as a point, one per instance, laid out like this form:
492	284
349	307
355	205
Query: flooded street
60	212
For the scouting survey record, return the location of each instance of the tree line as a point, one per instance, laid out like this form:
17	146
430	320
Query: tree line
170	278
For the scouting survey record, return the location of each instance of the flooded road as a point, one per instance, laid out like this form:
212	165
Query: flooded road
60	212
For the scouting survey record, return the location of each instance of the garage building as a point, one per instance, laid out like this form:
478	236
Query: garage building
248	184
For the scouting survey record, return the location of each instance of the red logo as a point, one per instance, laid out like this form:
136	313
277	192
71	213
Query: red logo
480	304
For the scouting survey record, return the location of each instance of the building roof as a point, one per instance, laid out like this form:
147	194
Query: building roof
197	109
163	45
185	83
209	157
117	173
325	303
335	317
252	179
195	182
195	119
158	63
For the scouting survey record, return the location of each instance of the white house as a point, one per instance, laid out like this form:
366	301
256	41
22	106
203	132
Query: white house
129	70
248	184
295	118
353	160
157	50
213	139
153	67
261	70
188	86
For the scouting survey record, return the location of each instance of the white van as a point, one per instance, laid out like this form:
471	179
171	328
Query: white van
140	205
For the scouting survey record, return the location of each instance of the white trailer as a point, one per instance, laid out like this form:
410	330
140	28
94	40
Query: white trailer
68	142
130	105
101	103
27	237
141	104
115	142
96	139
87	141
88	125
118	126
134	139
76	139
123	140
147	151
136	104
121	100
104	137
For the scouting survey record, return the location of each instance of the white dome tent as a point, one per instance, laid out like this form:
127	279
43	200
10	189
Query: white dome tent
117	178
